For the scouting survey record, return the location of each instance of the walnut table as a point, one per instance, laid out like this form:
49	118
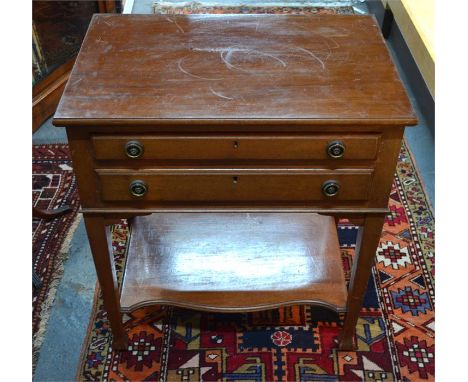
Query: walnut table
233	144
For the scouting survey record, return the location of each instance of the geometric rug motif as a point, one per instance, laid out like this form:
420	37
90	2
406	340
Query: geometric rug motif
53	186
395	331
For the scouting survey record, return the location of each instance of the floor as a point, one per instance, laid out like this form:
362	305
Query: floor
70	315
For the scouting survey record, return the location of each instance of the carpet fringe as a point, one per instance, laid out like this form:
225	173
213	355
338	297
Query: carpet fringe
418	173
58	270
89	333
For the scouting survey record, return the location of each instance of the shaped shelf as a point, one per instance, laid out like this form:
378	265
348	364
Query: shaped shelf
233	262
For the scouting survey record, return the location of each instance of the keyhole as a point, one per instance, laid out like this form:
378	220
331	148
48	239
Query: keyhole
235	179
236	144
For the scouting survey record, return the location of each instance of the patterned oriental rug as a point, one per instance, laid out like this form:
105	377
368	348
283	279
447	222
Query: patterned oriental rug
54	186
395	332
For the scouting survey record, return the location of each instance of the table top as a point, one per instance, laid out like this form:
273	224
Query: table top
161	69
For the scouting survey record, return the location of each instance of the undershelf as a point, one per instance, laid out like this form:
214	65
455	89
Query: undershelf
233	262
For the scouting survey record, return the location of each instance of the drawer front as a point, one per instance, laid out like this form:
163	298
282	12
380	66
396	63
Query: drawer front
235	147
235	186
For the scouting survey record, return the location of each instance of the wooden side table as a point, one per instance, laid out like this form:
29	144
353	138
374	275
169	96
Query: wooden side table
233	142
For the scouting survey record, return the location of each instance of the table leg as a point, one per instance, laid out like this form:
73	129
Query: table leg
367	242
337	220
105	269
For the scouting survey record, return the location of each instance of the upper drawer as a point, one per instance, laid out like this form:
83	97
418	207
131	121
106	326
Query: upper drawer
236	147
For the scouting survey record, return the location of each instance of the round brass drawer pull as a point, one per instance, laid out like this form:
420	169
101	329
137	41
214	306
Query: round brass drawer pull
138	188
330	187
336	149
134	149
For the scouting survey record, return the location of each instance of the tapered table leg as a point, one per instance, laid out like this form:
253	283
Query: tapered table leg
105	269
367	242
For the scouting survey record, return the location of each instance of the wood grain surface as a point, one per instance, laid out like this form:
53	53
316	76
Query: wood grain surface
236	186
239	147
233	262
140	68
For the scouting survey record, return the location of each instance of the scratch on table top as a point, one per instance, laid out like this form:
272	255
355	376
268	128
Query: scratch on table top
226	54
174	21
220	95
314	56
269	55
78	80
179	65
334	41
329	53
226	59
209	50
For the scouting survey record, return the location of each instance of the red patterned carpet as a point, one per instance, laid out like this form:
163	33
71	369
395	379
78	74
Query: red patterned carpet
395	332
54	186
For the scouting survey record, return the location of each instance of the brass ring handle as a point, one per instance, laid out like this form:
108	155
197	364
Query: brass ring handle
138	188
336	149
330	187
134	149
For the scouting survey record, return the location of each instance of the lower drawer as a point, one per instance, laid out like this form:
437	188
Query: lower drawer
235	186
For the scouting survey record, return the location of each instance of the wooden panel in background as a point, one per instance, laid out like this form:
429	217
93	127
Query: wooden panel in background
58	31
415	19
47	93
